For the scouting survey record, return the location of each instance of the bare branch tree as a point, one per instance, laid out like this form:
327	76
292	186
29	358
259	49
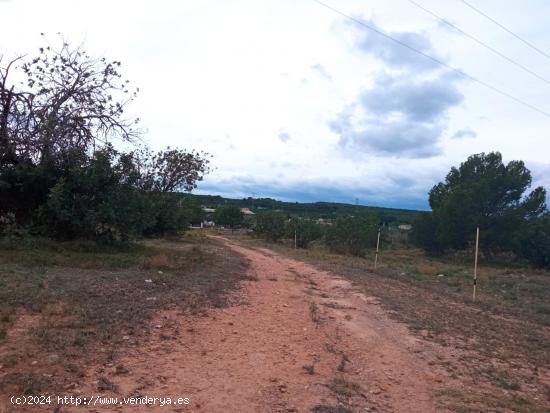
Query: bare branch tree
68	100
14	110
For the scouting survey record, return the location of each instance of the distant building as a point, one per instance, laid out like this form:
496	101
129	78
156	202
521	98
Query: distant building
208	217
405	227
324	221
249	218
247	211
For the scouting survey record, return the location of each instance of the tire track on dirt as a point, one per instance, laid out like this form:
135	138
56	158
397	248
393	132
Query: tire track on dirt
300	340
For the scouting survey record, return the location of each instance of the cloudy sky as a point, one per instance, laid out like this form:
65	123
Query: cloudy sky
297	102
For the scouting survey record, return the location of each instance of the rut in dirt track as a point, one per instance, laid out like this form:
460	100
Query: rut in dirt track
304	340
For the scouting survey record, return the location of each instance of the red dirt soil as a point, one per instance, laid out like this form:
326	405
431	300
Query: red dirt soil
299	338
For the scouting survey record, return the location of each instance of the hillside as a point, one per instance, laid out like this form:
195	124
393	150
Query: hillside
315	209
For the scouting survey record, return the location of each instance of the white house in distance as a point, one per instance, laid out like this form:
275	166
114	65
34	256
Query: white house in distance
249	217
208	219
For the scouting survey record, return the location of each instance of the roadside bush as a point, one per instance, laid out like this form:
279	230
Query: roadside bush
534	242
271	225
168	213
305	229
228	215
351	235
423	234
98	197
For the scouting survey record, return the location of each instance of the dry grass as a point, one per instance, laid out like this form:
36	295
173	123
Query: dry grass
343	387
157	262
503	338
91	302
475	401
314	313
324	408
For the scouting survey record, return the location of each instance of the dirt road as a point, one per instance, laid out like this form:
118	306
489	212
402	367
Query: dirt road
300	340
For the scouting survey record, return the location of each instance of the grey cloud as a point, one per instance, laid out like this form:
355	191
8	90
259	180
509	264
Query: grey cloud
390	138
319	68
464	133
404	113
421	101
393	54
398	117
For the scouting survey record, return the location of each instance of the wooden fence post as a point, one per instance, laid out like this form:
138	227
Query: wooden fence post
377	249
475	264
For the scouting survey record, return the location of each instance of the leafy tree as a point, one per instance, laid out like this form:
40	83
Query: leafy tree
306	231
228	215
98	198
534	242
351	235
271	225
68	103
171	169
486	193
58	171
424	234
92	200
68	100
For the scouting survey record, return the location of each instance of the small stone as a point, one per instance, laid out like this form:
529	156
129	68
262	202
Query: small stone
121	369
441	275
53	358
148	281
160	272
104	383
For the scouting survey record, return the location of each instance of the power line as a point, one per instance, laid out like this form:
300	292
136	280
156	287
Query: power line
460	72
475	39
531	45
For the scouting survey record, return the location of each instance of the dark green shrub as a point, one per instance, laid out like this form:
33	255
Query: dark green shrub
423	234
271	225
351	235
305	229
228	215
534	242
